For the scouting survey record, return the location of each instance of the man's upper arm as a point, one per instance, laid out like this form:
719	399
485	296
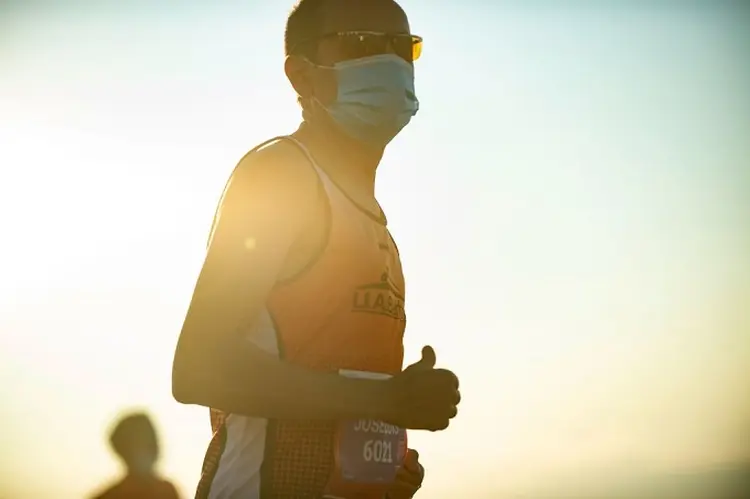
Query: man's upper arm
266	205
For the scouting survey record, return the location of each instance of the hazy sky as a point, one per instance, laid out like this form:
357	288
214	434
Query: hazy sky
572	205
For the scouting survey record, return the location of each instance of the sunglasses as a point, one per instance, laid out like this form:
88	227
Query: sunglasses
358	44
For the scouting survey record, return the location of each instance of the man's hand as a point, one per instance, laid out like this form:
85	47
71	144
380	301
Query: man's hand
409	477
422	397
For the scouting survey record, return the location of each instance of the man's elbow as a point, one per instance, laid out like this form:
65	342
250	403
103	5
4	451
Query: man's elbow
181	390
185	386
196	383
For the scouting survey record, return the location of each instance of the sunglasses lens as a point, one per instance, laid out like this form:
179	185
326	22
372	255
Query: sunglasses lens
416	48
357	45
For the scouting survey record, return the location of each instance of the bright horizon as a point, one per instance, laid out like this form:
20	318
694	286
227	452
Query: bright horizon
571	203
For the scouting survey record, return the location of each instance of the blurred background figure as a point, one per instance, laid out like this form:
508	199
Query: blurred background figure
135	442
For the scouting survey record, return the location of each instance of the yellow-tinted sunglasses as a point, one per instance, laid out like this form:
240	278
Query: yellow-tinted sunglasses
358	44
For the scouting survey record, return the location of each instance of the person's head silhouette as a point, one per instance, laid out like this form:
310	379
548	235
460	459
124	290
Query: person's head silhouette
134	440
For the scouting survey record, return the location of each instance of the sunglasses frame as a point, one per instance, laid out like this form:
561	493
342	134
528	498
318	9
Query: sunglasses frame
415	39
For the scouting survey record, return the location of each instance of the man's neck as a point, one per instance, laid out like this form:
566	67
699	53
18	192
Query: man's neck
342	155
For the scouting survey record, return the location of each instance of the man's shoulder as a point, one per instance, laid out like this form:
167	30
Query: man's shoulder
275	178
280	163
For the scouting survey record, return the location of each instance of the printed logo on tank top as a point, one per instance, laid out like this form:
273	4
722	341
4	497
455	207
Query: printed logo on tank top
381	298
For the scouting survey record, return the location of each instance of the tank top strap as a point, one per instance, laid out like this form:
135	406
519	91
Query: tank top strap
328	184
329	187
333	189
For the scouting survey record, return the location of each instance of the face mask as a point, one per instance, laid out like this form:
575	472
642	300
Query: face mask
375	98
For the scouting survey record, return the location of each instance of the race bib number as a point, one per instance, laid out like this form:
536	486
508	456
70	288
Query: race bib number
367	454
369	451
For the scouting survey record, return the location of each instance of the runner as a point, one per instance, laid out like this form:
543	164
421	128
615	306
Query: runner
294	332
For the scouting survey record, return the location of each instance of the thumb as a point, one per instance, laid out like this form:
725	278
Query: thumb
411	460
427	361
411	463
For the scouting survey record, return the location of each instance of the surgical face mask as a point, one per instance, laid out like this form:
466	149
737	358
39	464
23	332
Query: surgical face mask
375	98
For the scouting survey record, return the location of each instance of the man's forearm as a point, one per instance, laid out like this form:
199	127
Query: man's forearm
254	383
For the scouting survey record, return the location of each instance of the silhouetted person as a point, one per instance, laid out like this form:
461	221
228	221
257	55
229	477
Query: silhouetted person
134	440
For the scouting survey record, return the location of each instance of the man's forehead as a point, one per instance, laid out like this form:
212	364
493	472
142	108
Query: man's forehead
363	15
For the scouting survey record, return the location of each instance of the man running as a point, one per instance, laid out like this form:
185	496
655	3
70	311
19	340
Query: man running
294	333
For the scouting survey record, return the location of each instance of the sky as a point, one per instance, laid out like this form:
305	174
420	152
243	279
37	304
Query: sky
571	203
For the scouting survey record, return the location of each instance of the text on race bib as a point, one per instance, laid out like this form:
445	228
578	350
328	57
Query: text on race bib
370	450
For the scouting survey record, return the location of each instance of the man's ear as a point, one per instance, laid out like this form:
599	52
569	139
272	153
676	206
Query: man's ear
297	70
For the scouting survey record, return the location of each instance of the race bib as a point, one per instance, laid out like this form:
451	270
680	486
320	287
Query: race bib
368	453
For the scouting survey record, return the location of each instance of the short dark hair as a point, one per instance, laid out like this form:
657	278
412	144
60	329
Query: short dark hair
129	430
303	24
